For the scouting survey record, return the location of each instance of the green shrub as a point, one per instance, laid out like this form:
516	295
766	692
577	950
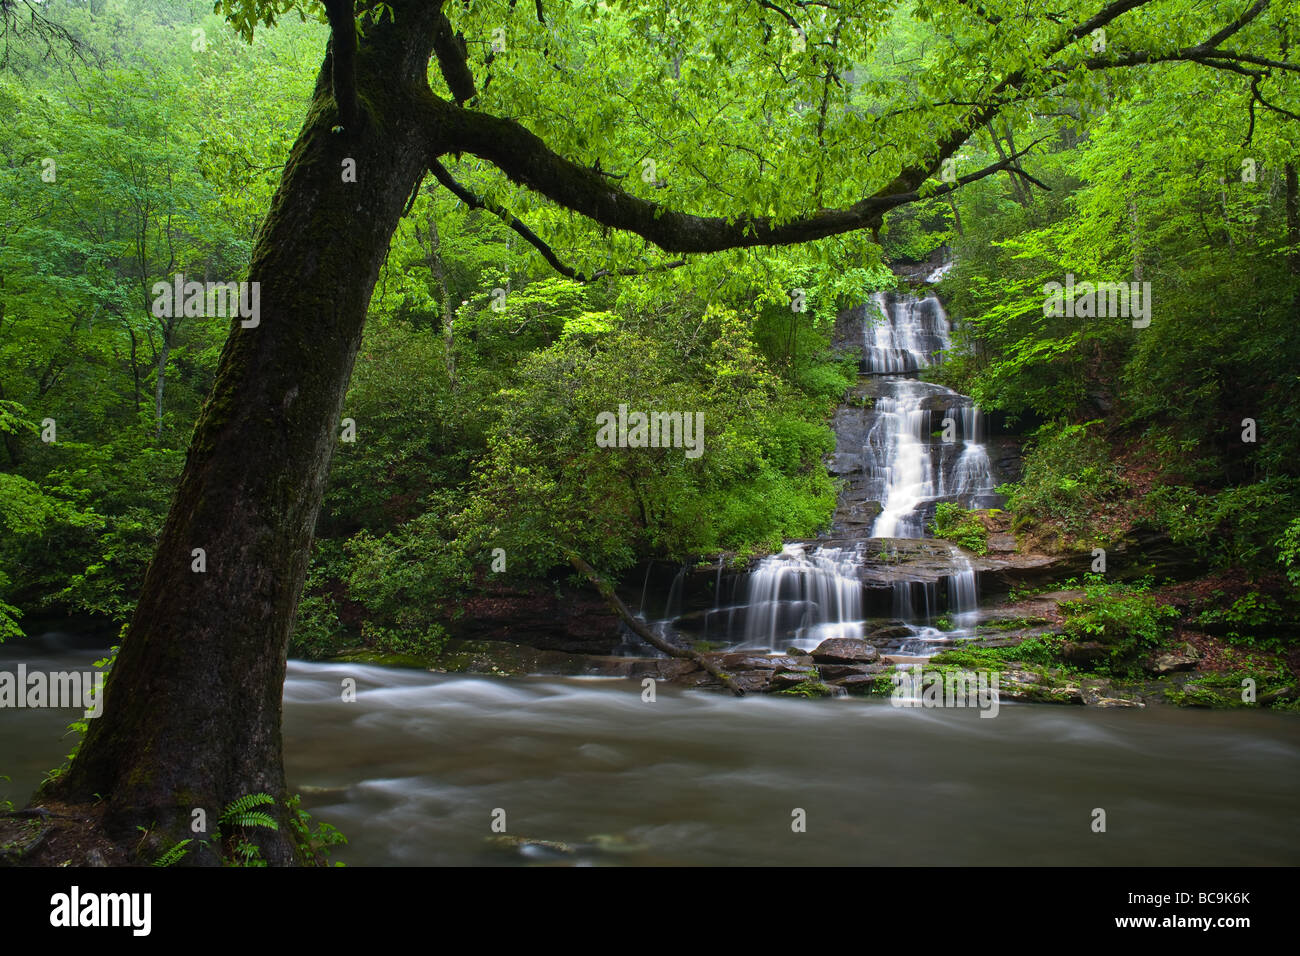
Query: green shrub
1068	477
1240	526
954	523
1253	620
1288	548
1124	617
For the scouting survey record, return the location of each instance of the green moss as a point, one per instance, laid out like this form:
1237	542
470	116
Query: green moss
961	527
808	688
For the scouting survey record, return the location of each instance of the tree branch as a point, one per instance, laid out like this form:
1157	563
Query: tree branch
1236	25
528	161
343	60
475	201
453	60
650	637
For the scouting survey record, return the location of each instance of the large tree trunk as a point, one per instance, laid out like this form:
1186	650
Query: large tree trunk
193	703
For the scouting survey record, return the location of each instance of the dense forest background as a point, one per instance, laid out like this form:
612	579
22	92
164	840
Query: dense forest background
155	148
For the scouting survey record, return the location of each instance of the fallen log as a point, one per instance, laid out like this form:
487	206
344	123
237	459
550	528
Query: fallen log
639	628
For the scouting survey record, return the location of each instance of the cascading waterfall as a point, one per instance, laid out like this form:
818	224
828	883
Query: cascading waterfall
926	442
963	585
921	444
812	596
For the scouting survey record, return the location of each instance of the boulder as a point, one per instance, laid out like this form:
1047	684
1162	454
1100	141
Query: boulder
837	672
1183	658
1030	687
1082	652
858	683
797	668
845	650
1105	702
790	679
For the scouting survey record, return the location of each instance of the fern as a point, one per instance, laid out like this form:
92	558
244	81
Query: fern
254	818
174	854
240	813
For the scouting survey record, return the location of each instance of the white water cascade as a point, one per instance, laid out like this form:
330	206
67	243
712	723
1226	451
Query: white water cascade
811	596
926	442
916	445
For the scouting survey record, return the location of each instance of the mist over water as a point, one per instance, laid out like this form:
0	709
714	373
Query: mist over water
412	770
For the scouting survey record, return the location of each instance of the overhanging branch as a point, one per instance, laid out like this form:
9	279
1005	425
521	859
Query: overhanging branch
474	201
453	61
528	161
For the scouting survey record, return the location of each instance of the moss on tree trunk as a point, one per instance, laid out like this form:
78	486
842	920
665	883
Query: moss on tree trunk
193	704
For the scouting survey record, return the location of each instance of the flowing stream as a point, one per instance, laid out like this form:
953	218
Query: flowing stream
413	769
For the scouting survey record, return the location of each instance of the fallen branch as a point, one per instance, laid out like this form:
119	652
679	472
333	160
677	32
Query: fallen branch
650	637
31	812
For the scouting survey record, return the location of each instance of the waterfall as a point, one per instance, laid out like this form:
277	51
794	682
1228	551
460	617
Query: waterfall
800	598
674	606
913	330
917	445
925	443
963	589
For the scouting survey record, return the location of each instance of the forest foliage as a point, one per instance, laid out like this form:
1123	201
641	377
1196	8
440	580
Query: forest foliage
473	413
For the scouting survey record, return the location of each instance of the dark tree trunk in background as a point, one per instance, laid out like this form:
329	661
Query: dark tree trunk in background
1293	231
193	704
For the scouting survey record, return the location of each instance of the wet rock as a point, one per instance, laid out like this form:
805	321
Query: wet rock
799	664
749	662
1182	659
1034	688
1290	692
905	659
1001	543
844	650
837	672
859	683
805	685
753	682
1100	693
673	669
889	633
694	621
697	678
1006	640
790	679
531	849
541	615
1082	652
1108	702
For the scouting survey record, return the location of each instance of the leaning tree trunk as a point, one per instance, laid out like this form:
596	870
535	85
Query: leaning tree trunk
193	704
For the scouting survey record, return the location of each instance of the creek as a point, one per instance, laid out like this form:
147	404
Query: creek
413	769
